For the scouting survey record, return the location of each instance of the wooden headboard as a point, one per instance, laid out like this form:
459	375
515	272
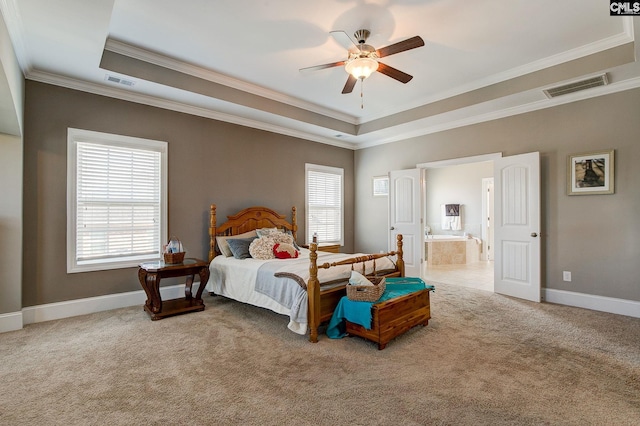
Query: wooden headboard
247	220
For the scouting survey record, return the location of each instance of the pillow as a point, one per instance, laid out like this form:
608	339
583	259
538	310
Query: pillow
278	232
282	238
288	232
358	279
240	247
262	232
224	247
262	248
285	251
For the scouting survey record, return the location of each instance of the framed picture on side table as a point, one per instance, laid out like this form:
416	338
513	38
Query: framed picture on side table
590	173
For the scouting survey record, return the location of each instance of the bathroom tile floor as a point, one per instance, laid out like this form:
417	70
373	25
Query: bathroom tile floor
477	275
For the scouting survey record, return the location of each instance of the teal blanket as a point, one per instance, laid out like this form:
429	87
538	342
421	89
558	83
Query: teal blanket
360	312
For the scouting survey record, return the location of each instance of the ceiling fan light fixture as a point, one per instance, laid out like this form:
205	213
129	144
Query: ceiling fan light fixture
361	68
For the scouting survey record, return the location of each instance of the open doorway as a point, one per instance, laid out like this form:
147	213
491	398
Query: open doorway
458	249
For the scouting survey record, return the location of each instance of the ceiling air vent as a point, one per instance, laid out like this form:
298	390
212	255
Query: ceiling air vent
576	86
118	80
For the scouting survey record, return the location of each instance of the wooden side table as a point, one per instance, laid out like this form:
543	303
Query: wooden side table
150	274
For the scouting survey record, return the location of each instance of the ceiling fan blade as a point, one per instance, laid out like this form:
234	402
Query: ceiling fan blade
401	46
348	87
402	77
344	40
321	67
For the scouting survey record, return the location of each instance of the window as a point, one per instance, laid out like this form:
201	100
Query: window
325	210
116	200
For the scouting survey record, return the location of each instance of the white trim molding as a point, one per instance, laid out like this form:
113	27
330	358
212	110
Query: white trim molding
15	320
459	161
11	322
90	305
611	305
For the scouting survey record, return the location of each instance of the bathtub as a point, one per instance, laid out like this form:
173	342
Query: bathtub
451	250
445	238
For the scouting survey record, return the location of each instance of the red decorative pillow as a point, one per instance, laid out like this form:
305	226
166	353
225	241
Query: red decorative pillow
285	251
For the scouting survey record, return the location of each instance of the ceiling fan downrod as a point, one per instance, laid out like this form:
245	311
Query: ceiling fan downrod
362	36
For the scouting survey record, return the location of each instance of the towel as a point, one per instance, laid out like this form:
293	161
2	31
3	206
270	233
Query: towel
451	217
456	223
452	209
445	222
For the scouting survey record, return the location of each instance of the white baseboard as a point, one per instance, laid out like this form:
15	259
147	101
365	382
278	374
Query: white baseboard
52	311
10	322
72	308
612	305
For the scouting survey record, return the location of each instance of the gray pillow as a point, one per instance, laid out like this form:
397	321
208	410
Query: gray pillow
240	247
295	244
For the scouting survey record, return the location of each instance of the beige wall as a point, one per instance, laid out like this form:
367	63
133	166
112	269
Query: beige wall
596	237
209	162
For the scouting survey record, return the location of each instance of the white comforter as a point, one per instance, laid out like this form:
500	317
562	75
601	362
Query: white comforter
236	279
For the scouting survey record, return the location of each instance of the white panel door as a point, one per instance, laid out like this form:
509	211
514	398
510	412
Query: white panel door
405	217
517	226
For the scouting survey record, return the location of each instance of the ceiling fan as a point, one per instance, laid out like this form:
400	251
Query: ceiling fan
363	58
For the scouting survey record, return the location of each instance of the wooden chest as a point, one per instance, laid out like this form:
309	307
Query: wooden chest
393	317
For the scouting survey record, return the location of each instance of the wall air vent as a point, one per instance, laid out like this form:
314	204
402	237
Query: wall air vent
576	86
118	80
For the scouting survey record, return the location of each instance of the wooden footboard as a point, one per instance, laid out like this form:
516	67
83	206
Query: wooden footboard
323	303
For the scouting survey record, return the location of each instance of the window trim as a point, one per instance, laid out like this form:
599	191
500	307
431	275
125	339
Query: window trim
329	170
75	136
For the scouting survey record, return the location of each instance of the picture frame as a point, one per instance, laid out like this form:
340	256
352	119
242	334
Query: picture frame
591	173
380	186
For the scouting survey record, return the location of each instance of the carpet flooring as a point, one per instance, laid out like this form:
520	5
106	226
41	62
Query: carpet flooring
484	359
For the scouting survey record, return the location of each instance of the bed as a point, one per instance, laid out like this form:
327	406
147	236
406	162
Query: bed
307	288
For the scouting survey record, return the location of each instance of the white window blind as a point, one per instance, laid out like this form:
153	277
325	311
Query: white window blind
118	212
324	203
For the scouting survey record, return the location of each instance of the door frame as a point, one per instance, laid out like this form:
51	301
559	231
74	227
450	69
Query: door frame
456	162
487	219
459	161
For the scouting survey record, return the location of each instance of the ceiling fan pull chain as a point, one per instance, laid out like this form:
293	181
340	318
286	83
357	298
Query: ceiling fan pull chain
361	95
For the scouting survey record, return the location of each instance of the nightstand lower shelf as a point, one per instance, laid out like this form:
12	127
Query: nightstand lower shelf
176	307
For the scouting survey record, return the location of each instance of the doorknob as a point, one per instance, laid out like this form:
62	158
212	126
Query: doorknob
392	228
533	234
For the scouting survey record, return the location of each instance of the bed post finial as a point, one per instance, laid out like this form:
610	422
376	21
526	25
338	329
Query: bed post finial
212	232
400	261
294	223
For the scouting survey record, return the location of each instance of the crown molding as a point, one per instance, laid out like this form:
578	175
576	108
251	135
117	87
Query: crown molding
626	36
622	86
125	95
117	93
207	74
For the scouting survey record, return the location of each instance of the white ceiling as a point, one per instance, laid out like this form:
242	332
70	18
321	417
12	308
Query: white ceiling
239	61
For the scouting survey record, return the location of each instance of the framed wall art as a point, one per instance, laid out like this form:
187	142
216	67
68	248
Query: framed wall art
590	173
380	186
